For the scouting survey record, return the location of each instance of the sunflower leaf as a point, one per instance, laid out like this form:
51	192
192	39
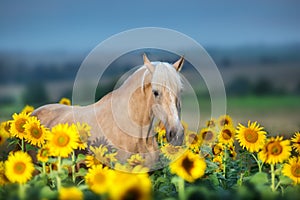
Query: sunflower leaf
284	180
259	178
81	172
80	158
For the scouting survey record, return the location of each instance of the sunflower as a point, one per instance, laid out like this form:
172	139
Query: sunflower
71	193
36	133
225	120
219	161
17	128
292	169
4	129
3	137
43	154
184	125
136	159
252	137
172	152
62	140
227	134
217	149
99	179
232	152
65	101
189	166
84	131
91	161
131	186
211	123
19	167
161	133
3	179
102	155
28	109
193	140
276	150
208	135
296	142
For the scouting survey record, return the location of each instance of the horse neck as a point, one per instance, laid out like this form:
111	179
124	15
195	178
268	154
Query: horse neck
137	90
131	103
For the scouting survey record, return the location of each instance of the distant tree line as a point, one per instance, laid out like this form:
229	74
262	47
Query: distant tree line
241	86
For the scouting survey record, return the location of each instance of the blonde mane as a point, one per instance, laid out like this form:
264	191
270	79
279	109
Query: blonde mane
165	75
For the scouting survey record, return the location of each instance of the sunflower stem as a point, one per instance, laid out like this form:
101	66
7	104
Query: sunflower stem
73	167
259	164
58	180
181	189
273	178
224	161
22	191
44	167
22	144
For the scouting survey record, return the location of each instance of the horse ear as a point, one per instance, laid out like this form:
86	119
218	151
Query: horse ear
179	63
148	64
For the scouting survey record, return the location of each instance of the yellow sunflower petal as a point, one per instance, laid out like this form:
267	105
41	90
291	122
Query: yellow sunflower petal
276	150
296	142
292	169
17	128
19	167
36	133
252	137
62	140
189	166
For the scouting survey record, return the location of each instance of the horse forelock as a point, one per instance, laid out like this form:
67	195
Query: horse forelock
165	75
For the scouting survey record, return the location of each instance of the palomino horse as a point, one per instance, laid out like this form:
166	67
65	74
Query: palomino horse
125	116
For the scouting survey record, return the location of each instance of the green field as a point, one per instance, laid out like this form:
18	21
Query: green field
278	114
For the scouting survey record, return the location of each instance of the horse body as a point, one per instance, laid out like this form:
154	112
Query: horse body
124	116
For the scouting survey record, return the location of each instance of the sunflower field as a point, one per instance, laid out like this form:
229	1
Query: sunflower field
224	160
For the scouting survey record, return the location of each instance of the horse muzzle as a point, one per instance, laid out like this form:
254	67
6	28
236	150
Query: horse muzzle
175	136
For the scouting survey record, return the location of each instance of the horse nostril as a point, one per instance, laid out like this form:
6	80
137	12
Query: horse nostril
175	137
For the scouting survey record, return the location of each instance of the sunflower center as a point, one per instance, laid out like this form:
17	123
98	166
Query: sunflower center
63	140
99	178
296	170
19	167
208	135
193	139
7	127
132	194
20	125
226	133
172	150
224	122
83	135
251	136
36	132
216	149
274	148
188	165
1	139
44	152
211	123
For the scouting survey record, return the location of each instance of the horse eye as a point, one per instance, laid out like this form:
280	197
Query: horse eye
155	93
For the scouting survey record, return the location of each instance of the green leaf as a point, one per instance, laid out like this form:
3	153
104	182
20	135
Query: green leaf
81	172
259	178
80	158
67	162
284	180
47	193
214	179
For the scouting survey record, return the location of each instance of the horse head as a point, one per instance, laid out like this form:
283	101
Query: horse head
166	87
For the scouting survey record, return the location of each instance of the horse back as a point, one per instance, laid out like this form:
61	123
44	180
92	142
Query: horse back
52	114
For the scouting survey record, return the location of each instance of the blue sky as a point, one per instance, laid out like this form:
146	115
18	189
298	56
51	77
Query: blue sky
80	25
